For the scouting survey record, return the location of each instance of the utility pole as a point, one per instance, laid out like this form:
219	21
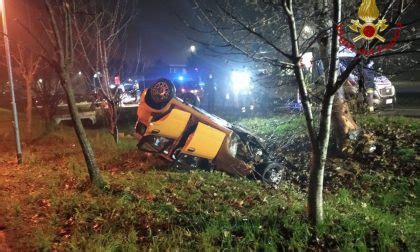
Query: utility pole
12	89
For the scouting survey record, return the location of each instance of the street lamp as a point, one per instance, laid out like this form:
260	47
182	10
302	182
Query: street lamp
12	89
193	48
95	76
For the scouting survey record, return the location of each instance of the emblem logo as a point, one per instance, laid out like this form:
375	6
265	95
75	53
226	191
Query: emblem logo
368	26
369	30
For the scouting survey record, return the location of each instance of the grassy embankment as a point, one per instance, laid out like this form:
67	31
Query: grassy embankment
48	203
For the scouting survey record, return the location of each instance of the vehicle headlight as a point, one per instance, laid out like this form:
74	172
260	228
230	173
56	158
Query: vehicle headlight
241	80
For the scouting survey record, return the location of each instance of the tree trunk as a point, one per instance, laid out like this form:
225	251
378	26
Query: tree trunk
28	128
114	121
319	158
342	119
344	123
322	24
319	154
315	190
92	166
341	116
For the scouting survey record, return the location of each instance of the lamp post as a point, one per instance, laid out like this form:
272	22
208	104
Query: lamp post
12	89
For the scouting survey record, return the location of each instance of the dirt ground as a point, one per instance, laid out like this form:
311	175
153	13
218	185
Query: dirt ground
3	244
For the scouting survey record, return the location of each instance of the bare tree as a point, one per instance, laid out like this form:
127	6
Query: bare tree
278	26
47	93
27	65
67	45
61	23
101	32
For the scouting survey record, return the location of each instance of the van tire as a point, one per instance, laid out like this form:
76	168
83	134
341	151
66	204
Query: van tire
160	93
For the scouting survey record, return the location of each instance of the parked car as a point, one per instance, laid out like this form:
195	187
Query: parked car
128	93
182	133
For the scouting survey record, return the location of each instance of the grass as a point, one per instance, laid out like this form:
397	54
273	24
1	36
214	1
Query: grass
51	204
383	219
279	126
407	123
407	154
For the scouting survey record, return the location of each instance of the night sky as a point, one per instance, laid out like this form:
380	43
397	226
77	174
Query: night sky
162	34
161	31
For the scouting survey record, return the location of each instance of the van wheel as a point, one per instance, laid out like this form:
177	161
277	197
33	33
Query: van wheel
160	93
271	174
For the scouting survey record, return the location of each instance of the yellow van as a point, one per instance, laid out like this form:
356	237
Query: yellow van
191	137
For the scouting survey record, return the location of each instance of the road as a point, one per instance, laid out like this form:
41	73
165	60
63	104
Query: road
408	100
402	111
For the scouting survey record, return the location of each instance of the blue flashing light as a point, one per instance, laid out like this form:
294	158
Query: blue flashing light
181	78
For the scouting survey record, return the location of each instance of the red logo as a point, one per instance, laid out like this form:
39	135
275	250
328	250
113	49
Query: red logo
368	30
